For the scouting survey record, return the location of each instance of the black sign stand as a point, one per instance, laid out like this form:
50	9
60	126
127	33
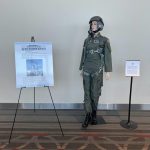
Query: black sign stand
128	124
33	40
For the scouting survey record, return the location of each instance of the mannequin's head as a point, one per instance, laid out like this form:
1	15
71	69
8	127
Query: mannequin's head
96	25
98	20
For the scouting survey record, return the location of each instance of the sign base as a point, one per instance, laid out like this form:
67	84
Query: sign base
128	125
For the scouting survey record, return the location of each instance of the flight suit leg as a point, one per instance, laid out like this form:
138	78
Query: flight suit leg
96	85
87	93
95	93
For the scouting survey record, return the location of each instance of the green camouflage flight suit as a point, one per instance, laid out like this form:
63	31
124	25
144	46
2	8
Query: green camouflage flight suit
96	55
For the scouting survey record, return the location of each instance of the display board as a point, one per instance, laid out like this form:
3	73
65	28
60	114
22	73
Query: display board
34	64
132	68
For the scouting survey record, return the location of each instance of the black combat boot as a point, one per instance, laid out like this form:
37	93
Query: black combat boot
94	119
87	120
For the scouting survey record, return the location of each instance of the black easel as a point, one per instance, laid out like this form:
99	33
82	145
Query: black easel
33	40
128	124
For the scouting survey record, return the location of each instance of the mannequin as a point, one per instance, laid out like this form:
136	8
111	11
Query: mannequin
96	57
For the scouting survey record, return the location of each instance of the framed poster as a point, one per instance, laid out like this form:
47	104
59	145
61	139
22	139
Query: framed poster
34	64
132	68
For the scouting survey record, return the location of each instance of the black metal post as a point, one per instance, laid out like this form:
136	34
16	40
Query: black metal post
129	109
127	123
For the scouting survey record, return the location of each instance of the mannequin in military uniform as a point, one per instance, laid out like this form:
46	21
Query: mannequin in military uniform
96	56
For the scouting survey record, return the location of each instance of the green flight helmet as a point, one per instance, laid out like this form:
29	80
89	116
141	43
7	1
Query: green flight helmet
99	20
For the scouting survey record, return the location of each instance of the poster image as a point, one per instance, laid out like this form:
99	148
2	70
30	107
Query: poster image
34	67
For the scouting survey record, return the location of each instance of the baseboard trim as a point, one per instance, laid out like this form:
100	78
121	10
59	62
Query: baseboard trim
73	106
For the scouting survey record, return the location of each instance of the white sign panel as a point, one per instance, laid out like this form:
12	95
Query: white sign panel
132	68
34	64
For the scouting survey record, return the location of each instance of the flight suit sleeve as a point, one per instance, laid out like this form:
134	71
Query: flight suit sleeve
107	57
83	56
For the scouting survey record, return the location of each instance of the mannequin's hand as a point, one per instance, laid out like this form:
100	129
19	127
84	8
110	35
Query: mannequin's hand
107	75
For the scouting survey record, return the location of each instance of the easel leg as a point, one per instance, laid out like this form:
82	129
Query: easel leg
55	111
34	99
15	116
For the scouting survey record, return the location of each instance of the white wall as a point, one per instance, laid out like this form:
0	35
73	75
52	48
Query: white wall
65	24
